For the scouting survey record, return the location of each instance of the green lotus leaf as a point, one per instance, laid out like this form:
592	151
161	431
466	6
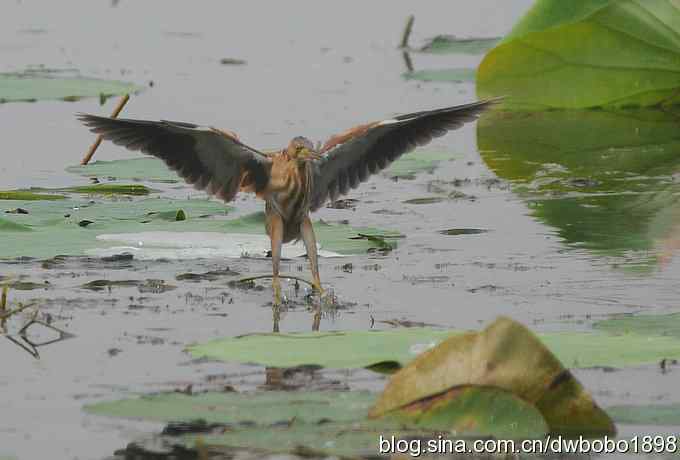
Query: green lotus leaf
665	415
9	226
585	53
356	349
139	169
648	325
263	408
111	189
26	195
334	423
42	84
149	229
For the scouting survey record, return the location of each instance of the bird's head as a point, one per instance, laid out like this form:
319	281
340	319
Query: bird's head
301	148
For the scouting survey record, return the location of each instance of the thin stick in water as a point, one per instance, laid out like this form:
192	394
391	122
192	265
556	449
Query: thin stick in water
407	31
93	148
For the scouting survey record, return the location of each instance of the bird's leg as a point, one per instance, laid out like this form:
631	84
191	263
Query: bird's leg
276	236
310	244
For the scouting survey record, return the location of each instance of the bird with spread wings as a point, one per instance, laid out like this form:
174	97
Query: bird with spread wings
293	181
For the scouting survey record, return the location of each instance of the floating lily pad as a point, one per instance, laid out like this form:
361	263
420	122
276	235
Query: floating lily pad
495	394
111	189
356	349
330	422
235	408
668	414
36	85
587	54
417	162
24	195
333	349
602	179
649	325
507	356
139	169
443	75
149	229
55	225
333	423
450	44
9	226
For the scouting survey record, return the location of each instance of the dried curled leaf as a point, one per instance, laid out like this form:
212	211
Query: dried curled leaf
508	356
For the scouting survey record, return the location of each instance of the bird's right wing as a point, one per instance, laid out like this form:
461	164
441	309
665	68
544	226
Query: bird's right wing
209	159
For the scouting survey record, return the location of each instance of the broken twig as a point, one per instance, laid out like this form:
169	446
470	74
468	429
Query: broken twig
93	148
407	31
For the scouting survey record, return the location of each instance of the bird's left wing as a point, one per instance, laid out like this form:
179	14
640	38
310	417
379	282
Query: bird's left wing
209	159
351	157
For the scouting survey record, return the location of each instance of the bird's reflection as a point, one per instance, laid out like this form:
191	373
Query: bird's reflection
282	378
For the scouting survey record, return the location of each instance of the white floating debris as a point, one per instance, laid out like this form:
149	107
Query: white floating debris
195	245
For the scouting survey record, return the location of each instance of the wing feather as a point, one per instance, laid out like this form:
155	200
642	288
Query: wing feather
351	157
209	159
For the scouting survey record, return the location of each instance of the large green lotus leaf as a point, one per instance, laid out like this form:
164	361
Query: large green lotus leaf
41	85
585	53
140	169
111	189
649	325
263	408
9	226
351	349
338	238
104	227
602	179
27	195
505	355
330	422
667	415
355	349
471	413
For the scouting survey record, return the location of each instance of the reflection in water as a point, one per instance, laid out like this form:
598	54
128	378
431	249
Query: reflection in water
279	378
32	333
606	181
29	336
